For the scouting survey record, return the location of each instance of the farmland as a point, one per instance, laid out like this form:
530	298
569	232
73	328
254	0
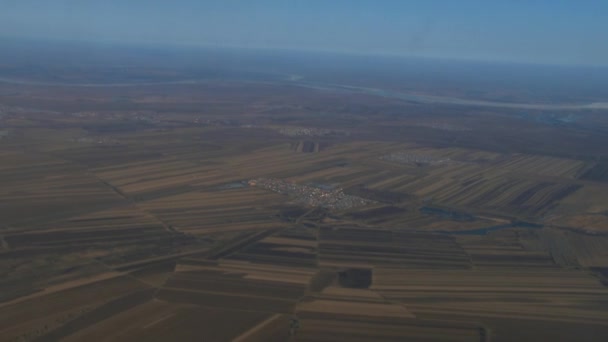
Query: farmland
218	211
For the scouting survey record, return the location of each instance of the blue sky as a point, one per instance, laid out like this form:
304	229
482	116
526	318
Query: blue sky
537	31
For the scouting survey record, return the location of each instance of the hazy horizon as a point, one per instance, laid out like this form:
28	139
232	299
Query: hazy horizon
538	32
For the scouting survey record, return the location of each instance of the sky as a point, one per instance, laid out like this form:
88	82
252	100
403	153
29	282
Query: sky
528	31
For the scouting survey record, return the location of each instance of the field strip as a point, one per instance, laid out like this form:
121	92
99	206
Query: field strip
478	289
476	313
243	337
158	320
227	294
66	286
145	262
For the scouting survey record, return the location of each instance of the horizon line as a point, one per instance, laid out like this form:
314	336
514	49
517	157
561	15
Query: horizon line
378	54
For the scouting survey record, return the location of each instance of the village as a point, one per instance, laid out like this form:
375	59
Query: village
314	196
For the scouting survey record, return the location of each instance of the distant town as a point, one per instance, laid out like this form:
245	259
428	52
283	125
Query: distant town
414	159
314	196
309	132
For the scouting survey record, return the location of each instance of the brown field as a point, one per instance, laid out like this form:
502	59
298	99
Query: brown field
126	215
